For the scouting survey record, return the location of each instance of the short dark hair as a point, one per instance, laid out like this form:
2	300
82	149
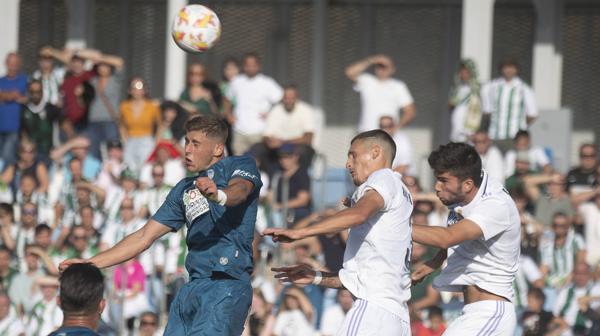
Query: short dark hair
435	311
508	61
41	228
81	289
5	249
211	126
537	293
378	136
251	54
522	133
458	159
8	208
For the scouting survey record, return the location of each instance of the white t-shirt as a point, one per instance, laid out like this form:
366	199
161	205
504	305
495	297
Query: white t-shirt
403	150
376	264
292	323
571	312
527	273
380	98
559	260
332	320
173	169
537	160
493	164
11	325
591	219
253	97
491	261
285	125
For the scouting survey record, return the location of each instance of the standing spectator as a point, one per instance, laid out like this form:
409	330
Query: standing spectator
381	95
538	159
130	280
290	122
10	324
491	157
508	104
27	164
45	316
140	117
554	200
403	160
81	291
583	177
254	95
13	87
465	102
590	214
201	95
229	70
104	109
333	318
173	118
295	315
567	307
49	75
77	148
560	251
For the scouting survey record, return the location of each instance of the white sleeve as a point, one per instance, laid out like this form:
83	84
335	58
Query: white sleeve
403	151
403	95
271	122
230	91
487	103
595	292
580	242
560	301
491	216
146	174
381	181
362	81
541	159
509	163
530	269
530	104
308	118
275	92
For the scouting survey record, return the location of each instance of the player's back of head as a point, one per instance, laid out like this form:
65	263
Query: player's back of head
211	126
81	290
381	138
458	159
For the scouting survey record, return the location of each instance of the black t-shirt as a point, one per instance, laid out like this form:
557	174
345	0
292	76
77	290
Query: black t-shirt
579	177
333	249
298	182
536	324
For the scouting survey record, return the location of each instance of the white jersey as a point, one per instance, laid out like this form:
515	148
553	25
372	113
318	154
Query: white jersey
377	258
491	261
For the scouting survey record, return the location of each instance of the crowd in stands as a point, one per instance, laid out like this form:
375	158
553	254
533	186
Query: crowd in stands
86	157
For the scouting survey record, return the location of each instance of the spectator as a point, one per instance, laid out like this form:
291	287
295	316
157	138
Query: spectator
8	228
42	237
465	102
381	95
491	157
333	318
294	179
77	91
435	326
20	290
254	95
567	307
45	315
90	220
535	320
517	180
130	281
13	87
78	148
148	324
260	320
538	159
50	75
295	315
555	200
10	324
140	116
229	69
38	119
104	109
128	189
561	249
112	167
403	160
290	122
81	291
583	177
29	192
26	229
156	195
201	95
590	214
508	104
422	295
27	164
7	273
126	223
528	276
79	245
173	117
166	155
531	229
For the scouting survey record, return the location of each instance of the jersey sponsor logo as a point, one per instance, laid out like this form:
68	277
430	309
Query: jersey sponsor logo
195	204
454	217
210	173
243	173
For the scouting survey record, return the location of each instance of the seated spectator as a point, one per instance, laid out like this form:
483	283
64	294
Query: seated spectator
590	214
157	193
13	88
20	290
7	273
78	246
77	148
38	119
567	307
166	155
260	320
90	221
112	167
423	295
555	199
125	223
289	122
128	188
8	228
25	233
149	324
140	117
403	159
491	157
298	186
559	251
28	193
538	159
294	315
201	95
45	316
173	118
26	164
535	320
435	326
528	276
129	282
583	177
10	324
531	229
517	180
81	291
333	318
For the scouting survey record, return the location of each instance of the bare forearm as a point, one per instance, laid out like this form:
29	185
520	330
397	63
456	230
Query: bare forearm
408	114
331	280
344	220
131	246
430	235
354	70
236	194
437	261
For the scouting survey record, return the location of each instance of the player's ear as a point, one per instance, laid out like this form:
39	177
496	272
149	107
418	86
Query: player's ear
58	300
468	185
375	152
219	150
101	306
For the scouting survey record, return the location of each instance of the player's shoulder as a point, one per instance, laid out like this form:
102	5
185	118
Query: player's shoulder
383	174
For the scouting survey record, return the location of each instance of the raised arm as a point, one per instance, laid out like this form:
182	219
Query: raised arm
234	194
355	69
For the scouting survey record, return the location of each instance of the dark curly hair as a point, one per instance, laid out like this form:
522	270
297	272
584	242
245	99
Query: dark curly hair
458	159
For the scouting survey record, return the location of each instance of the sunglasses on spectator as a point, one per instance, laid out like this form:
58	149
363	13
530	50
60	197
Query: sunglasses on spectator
587	156
79	237
31	212
151	323
158	174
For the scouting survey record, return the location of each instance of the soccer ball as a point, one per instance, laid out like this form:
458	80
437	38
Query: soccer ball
196	28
